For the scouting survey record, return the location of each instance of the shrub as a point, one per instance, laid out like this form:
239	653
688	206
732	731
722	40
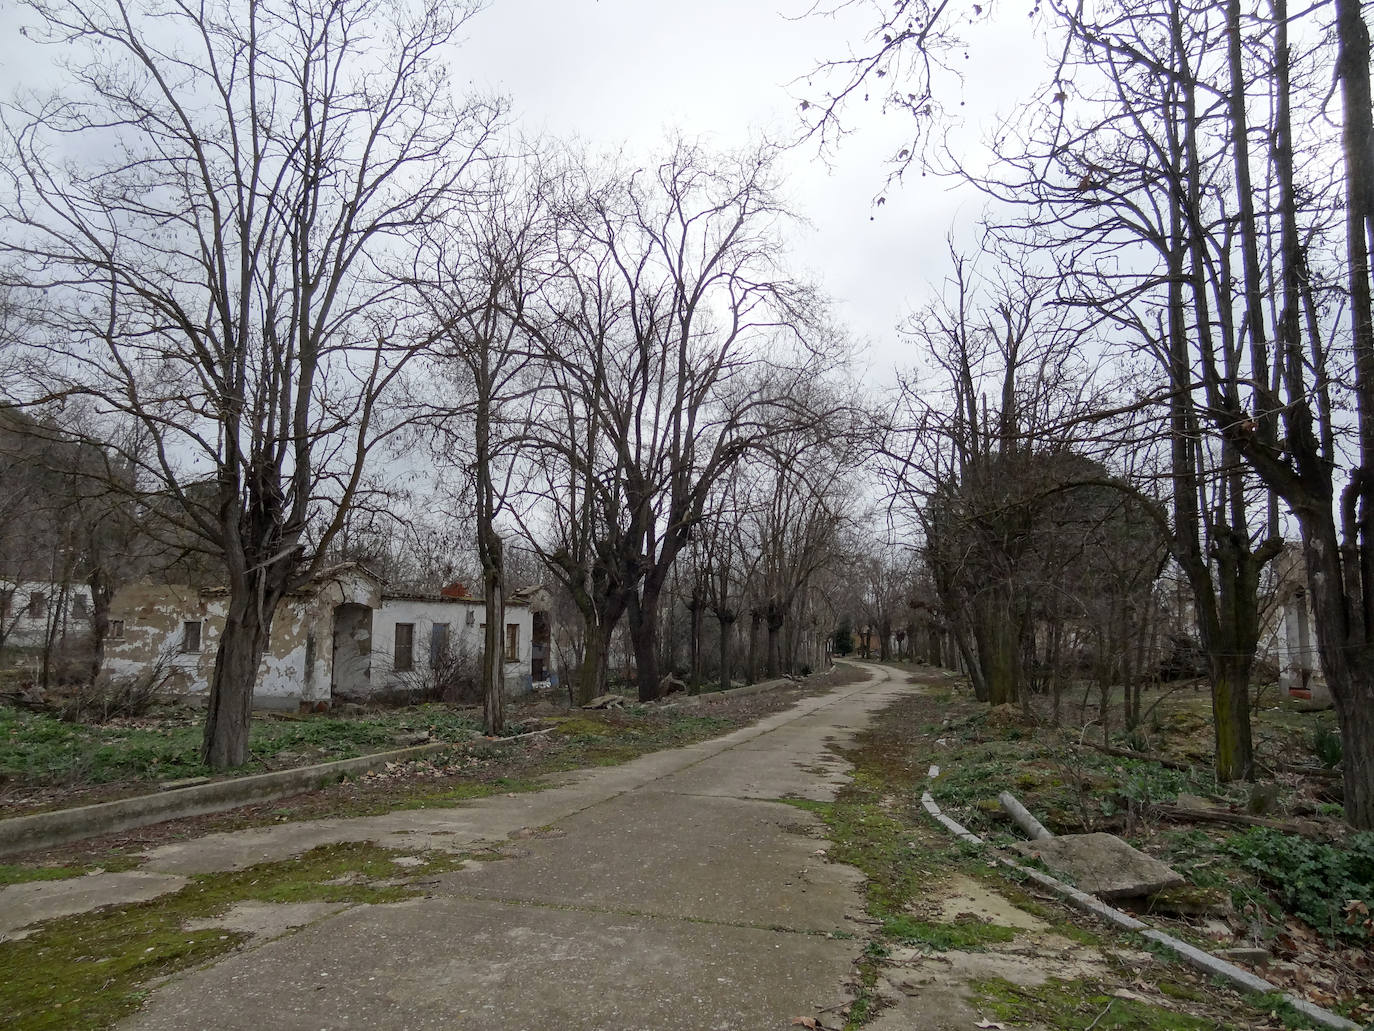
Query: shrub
1314	880
1326	746
107	698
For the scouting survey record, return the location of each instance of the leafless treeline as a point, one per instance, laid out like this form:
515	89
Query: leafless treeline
265	254
1191	208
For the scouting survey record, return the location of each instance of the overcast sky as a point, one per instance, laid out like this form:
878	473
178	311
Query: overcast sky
626	72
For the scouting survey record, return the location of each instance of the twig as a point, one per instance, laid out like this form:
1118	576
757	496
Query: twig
1311	771
1099	1017
514	737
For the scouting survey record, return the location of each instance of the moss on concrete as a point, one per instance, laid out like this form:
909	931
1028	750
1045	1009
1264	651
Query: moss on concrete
90	970
965	934
1078	1005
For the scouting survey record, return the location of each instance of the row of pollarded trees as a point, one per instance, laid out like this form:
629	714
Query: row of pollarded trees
763	568
1191	183
271	243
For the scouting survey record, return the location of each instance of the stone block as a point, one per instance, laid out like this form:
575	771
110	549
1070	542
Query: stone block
1102	865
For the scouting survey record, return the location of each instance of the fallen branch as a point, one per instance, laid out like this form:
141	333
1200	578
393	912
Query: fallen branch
1311	771
1126	753
1226	816
476	736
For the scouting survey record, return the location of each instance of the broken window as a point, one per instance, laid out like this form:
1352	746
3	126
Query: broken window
79	606
512	642
404	658
38	605
190	636
438	643
115	631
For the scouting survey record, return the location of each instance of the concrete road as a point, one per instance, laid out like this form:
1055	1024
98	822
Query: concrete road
674	892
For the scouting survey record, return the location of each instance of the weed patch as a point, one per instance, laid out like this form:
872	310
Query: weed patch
1315	880
964	935
1079	1005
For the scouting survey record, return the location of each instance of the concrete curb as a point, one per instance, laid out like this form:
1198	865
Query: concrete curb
44	830
1190	954
735	692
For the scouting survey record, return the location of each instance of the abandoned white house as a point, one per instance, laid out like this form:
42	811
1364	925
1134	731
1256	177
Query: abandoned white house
35	612
344	637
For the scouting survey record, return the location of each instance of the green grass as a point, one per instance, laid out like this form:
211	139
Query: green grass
965	934
1078	1005
90	970
41	750
24	874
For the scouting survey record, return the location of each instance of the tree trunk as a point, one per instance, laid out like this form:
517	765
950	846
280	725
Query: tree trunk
591	675
493	652
100	620
696	608
1230	676
1348	668
774	623
755	621
643	616
999	648
727	623
247	628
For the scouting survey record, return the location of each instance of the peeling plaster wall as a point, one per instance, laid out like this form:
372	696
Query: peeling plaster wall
424	614
153	616
302	629
299	666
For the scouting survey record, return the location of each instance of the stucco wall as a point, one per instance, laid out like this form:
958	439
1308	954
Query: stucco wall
154	616
25	631
299	667
423	614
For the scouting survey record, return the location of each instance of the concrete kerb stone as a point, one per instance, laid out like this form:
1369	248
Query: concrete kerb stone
735	692
45	830
1190	954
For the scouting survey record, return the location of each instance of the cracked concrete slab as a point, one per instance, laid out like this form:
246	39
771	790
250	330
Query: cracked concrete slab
673	891
454	964
23	905
267	919
723	859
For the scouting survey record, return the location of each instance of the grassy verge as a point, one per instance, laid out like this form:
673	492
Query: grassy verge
877	824
38	749
468	771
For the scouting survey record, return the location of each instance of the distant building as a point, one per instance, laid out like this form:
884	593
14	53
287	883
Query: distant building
343	637
33	612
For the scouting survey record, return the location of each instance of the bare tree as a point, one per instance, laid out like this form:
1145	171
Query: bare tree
476	278
676	341
216	209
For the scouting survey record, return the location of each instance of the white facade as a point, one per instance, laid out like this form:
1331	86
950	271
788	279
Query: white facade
32	612
465	620
335	641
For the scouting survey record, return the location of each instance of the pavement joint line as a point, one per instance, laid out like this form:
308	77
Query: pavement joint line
571	907
1190	954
